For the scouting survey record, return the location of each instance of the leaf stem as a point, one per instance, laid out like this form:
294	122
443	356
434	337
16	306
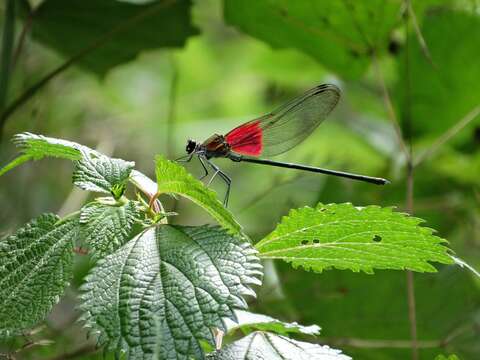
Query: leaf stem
412	311
449	134
6	59
99	42
389	106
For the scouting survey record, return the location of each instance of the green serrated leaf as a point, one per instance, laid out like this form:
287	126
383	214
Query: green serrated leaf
172	178
106	227
100	173
263	345
164	290
248	322
360	239
35	267
36	147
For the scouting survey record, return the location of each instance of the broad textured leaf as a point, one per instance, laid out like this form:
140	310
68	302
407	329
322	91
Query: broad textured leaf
104	228
173	178
337	33
444	93
35	267
36	147
164	290
248	322
360	239
263	345
74	25
100	173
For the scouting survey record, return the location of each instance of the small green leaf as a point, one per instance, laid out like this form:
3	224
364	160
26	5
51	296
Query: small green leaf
248	322
172	178
35	267
106	227
263	345
359	239
164	290
36	147
100	173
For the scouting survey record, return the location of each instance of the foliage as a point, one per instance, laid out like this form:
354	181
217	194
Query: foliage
174	179
158	291
133	28
260	345
171	285
248	322
35	267
336	43
345	237
145	81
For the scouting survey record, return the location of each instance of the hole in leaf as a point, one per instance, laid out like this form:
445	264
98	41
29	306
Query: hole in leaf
316	241
377	238
304	242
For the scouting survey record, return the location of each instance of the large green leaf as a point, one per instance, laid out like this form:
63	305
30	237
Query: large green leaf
263	345
71	26
338	33
247	322
359	239
163	291
172	178
35	267
105	227
444	93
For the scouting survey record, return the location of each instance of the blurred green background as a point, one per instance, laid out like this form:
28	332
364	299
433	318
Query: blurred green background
190	69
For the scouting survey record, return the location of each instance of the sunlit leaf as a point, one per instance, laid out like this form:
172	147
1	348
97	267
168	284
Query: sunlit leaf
173	178
35	267
36	147
164	290
359	239
263	345
248	322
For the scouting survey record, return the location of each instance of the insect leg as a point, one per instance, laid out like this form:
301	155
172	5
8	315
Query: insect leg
204	168
185	158
224	177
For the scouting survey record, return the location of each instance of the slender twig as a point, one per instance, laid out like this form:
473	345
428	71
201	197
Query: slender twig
418	32
21	40
379	344
412	311
447	135
99	42
389	106
6	57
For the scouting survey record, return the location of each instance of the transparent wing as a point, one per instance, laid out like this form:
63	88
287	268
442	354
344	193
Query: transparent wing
286	126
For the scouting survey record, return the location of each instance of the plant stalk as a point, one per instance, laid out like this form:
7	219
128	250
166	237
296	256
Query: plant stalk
6	57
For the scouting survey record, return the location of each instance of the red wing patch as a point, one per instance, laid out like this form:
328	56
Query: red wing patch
246	139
